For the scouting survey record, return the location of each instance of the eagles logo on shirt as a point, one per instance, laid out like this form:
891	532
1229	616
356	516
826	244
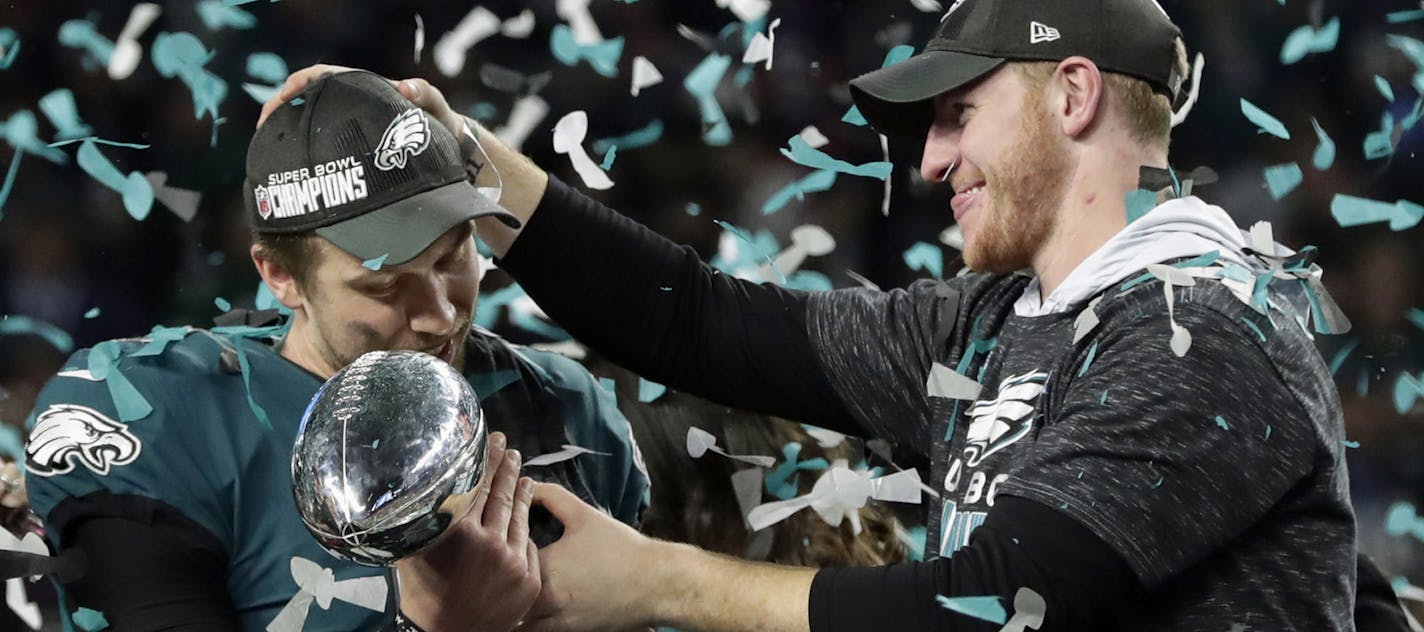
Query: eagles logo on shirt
406	137
69	434
999	422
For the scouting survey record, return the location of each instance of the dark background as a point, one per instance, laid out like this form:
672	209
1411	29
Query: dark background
67	245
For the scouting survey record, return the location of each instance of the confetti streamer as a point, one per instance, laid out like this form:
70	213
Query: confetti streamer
104	366
1282	179
803	154
1268	124
1349	210
781	480
82	34
839	494
182	55
988	608
1400	17
1325	151
56	337
821	180
1181	340
568	453
602	56
217	16
58	106
648	135
700	442
9	181
1308	39
136	191
569	133
701	83
318	584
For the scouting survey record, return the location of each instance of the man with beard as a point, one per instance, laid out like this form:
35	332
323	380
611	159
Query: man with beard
167	460
1120	407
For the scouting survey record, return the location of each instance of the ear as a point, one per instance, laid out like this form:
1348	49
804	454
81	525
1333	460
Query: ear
278	279
1077	94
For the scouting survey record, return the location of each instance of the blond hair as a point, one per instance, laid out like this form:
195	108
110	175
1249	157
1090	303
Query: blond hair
1146	113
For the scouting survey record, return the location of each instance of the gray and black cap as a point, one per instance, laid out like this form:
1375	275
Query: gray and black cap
359	164
1130	37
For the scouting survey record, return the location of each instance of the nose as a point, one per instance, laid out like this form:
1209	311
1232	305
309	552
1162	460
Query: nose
431	310
941	153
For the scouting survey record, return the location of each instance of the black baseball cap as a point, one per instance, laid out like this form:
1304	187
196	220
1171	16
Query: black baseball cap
1130	37
359	164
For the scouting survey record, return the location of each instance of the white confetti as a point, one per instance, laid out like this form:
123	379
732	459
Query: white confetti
946	382
519	26
839	494
746	10
808	240
19	603
127	50
559	456
569	133
927	6
746	484
760	48
575	12
451	50
953	237
814	137
1029	610
183	202
419	37
645	74
318	584
526	115
824	438
864	282
1087	320
699	442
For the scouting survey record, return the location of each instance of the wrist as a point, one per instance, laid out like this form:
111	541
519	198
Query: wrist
670	583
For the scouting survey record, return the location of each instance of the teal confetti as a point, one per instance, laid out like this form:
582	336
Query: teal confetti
1103	401
1252	325
1417	112
818	181
59	107
268	67
1282	179
694	209
1268	124
649	391
56	337
215	258
482	111
1268	432
1200	261
100	141
927	257
1325	151
376	444
602	56
781	481
182	55
1308	39
265	299
259	92
701	83
21	132
9	181
92	313
375	263
1139	203
1416	316
488	308
9	47
854	117
1350	211
897	54
985	608
104	365
608	385
135	189
222	304
1221	423
89	620
608	158
1092	353
802	153
1159	482
257	410
1380	143
158	340
1351	444
1408	389
1384	89
531	323
755	252
296	101
83	34
216	16
648	135
1400	17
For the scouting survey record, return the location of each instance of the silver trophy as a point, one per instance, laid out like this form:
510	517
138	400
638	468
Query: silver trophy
388	456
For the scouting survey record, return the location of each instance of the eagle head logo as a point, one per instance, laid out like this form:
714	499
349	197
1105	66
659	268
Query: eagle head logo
68	434
406	137
997	423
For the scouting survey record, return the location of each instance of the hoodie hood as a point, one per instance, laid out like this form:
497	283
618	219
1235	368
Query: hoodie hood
1187	227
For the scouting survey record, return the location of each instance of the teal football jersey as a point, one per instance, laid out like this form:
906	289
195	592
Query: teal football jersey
203	423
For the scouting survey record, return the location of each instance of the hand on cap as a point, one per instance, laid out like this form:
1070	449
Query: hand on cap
419	91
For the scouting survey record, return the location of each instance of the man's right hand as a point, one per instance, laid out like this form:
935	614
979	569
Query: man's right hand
483	574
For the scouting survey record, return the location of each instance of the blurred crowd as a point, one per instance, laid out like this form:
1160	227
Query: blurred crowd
76	268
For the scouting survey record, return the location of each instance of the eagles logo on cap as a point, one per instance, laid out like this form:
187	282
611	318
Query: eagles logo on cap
406	137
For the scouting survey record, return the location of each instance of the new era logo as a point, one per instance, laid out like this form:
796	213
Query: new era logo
1039	32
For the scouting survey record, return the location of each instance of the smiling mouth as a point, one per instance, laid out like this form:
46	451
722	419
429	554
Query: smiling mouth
965	199
445	352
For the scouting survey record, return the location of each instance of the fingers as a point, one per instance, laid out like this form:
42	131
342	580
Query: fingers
519	518
531	557
495	456
295	83
561	502
501	494
424	95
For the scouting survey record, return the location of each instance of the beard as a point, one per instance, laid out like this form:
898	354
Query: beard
358	340
1026	186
